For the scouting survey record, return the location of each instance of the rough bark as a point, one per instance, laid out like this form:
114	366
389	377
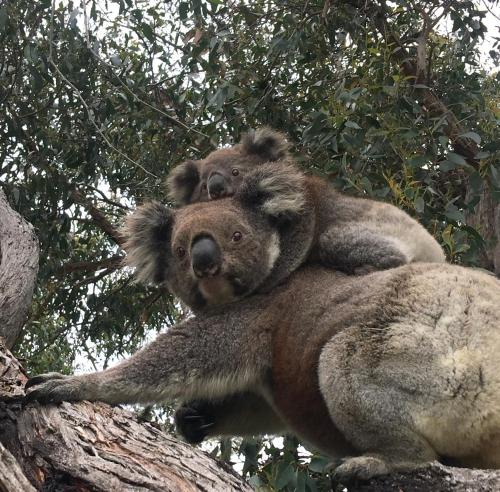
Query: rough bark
11	476
18	270
94	447
436	478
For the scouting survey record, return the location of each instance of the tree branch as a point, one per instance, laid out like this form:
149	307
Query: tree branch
99	218
114	262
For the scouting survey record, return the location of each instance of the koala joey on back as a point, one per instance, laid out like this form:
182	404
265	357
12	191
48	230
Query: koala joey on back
354	235
388	371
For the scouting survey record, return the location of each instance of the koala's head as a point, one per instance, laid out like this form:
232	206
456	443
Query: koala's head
221	173
217	252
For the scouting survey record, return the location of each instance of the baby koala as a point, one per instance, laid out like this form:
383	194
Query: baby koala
354	235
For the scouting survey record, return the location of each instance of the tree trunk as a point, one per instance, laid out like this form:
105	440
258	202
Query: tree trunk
18	270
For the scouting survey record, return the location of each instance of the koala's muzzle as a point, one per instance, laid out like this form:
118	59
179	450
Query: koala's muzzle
217	186
206	257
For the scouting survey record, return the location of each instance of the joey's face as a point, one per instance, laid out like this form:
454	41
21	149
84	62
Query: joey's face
221	173
218	254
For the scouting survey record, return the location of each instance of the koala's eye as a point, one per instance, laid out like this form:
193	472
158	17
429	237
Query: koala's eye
204	186
237	236
181	252
235	172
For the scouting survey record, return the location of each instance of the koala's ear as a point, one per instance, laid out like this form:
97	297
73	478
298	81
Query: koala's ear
147	234
266	143
182	181
275	189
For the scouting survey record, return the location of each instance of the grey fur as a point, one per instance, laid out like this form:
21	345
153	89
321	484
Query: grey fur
266	143
408	371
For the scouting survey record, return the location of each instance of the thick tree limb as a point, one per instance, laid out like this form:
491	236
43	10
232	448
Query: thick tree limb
18	270
436	478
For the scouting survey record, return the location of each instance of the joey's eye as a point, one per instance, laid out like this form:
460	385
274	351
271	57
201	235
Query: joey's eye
204	186
181	252
236	237
235	172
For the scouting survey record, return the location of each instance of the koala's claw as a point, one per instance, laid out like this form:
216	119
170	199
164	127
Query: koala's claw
193	422
51	388
42	378
360	468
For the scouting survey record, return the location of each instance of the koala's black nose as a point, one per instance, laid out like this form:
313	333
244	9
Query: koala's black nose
217	187
205	257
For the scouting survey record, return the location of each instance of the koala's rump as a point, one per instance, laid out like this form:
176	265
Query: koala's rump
425	360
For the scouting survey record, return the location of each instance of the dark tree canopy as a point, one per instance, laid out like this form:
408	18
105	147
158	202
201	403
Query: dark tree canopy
398	101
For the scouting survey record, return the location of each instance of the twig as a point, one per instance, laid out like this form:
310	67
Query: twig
113	262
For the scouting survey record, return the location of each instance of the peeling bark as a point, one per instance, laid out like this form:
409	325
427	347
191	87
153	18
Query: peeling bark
18	270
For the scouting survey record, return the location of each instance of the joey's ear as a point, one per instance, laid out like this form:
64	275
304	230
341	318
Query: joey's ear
276	189
147	234
266	143
182	181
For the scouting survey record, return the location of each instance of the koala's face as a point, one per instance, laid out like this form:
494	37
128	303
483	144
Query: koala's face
217	254
221	173
219	251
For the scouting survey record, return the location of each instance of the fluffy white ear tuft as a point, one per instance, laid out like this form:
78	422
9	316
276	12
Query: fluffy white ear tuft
268	144
182	181
277	189
147	241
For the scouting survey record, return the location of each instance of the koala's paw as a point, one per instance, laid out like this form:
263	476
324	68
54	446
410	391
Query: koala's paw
52	388
193	422
360	468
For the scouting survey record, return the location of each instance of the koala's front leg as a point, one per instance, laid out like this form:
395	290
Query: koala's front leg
354	247
242	414
186	362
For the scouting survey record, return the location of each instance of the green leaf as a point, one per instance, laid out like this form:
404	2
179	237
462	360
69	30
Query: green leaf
456	159
319	464
417	161
352	124
453	213
286	474
473	136
183	10
419	204
447	165
148	32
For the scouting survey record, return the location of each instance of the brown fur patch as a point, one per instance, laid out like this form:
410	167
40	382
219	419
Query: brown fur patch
295	385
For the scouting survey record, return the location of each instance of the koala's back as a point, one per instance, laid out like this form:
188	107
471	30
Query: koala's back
358	216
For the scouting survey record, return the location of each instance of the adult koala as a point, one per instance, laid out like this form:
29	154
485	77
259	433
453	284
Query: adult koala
354	235
388	371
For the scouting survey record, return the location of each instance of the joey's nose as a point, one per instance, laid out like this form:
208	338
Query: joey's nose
216	185
205	257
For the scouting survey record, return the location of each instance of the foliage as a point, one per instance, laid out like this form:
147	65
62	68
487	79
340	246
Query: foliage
104	99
